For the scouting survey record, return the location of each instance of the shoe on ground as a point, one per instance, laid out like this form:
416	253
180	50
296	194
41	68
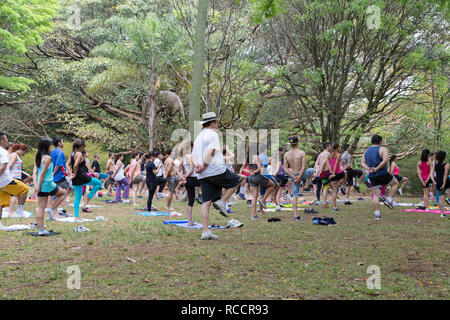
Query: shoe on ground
230	211
241	195
336	209
357	189
278	208
448	201
378	217
310	210
298	218
235	223
220	205
208	235
255	217
348	203
387	203
81	229
443	215
87	210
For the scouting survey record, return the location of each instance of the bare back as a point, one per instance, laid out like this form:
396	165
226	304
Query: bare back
323	161
295	160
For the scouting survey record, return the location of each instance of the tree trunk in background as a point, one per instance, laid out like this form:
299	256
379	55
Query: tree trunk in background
151	113
198	66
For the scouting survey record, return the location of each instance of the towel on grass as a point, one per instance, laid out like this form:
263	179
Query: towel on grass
424	211
184	224
15	227
159	214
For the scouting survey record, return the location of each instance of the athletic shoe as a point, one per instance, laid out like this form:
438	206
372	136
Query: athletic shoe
307	190
81	229
255	217
348	203
357	189
235	223
316	203
126	201
361	199
199	198
310	210
230	211
263	203
240	194
400	191
342	190
43	233
220	205
208	235
387	203
378	216
448	201
336	209
394	203
300	194
278	208
87	210
298	218
329	220
443	215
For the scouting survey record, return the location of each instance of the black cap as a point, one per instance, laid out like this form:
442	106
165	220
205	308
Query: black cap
293	139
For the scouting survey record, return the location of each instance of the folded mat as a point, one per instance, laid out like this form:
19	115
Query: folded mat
424	211
15	227
91	205
158	214
184	224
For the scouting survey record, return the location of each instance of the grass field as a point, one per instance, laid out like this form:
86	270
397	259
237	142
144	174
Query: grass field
261	260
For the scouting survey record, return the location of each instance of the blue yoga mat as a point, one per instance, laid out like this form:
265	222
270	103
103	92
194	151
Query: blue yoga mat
152	214
184	224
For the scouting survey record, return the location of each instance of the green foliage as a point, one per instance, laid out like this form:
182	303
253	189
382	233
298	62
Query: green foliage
22	22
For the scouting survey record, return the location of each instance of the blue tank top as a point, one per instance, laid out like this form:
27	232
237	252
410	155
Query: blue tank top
373	159
264	164
47	185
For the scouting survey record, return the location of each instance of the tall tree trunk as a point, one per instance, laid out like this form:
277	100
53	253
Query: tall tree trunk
152	111
198	66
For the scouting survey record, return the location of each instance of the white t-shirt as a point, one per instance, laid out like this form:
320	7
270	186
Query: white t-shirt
157	162
5	178
206	140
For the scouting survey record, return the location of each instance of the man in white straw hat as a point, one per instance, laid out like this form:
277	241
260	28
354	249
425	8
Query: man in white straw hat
212	172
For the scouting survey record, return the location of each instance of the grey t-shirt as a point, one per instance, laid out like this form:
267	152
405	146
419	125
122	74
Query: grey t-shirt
346	159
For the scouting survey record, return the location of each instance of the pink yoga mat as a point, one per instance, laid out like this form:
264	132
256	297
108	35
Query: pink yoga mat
424	211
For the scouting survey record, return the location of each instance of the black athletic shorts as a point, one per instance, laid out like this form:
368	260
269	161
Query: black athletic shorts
351	173
428	184
260	180
317	180
399	178
282	179
380	181
64	183
338	176
212	186
48	194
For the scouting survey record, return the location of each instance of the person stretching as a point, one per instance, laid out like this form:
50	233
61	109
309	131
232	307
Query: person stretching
374	161
79	176
151	170
394	170
424	172
9	186
119	177
442	181
336	174
45	185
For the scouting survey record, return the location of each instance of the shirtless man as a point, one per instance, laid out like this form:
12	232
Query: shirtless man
110	171
295	166
170	174
324	170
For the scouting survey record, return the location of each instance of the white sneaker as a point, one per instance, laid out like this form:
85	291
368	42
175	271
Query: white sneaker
378	217
400	191
278	208
126	201
220	205
81	229
235	223
208	235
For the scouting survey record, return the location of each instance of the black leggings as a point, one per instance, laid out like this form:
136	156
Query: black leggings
191	183
151	185
318	182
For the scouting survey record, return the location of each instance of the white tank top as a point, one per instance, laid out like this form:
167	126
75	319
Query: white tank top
120	174
187	168
16	170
